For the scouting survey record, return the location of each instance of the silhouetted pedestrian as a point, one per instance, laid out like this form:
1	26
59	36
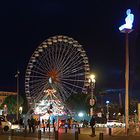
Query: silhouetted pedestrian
92	124
33	124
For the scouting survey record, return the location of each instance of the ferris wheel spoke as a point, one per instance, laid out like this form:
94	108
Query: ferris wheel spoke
34	81
37	86
56	57
67	58
50	60
47	60
35	92
39	68
36	95
80	70
38	76
47	63
37	72
39	97
73	69
73	80
71	84
64	56
72	64
44	63
66	87
40	65
72	75
61	57
71	57
53	57
62	92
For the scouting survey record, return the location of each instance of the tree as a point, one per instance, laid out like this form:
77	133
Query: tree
77	102
11	102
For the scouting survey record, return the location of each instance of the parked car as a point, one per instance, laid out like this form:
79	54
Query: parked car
15	125
6	125
100	125
115	123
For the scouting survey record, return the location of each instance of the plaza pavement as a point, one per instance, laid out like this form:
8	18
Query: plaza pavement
117	134
71	137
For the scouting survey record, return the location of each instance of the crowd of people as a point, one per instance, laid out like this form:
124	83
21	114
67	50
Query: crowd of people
31	124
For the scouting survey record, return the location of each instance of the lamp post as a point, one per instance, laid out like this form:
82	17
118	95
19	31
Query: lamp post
17	76
107	110
92	86
126	29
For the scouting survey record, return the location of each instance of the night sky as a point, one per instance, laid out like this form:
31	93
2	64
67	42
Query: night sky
94	24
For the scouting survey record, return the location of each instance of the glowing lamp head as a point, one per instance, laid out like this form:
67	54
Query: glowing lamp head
92	78
80	114
107	102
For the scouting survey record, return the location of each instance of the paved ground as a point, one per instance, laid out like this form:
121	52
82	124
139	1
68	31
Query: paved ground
71	137
117	134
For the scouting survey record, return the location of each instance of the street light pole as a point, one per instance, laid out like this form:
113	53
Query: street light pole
127	28
107	110
126	31
126	83
92	86
17	76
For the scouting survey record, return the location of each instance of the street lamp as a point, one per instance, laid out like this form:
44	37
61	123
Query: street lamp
127	28
80	114
107	112
17	76
20	109
92	86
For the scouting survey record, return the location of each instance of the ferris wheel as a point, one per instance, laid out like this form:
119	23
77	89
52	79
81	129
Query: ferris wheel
60	63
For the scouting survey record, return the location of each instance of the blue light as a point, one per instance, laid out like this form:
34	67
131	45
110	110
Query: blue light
128	21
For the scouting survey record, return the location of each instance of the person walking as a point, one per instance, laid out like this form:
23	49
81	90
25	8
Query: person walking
29	124
33	124
92	124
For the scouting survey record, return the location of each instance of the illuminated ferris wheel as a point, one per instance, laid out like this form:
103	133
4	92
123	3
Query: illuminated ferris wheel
60	63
